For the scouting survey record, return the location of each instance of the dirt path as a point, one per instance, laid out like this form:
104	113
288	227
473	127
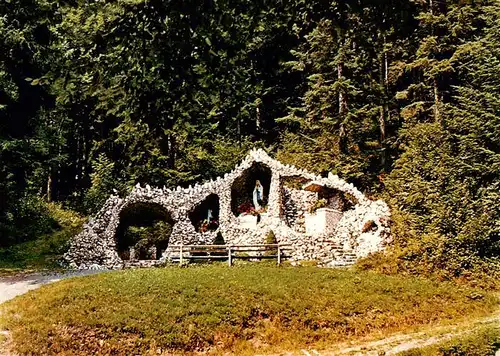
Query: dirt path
404	342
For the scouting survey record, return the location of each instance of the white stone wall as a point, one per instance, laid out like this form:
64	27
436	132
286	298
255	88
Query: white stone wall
322	222
95	246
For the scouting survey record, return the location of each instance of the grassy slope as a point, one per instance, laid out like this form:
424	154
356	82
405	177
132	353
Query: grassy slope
44	252
217	308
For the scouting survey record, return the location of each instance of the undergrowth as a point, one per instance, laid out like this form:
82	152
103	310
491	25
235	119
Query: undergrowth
220	309
482	273
46	250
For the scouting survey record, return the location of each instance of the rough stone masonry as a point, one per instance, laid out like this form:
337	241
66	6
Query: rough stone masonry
353	233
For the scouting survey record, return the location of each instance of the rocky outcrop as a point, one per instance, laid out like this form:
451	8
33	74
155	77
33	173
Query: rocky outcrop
96	245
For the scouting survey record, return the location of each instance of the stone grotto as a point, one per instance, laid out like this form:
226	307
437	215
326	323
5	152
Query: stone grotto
320	218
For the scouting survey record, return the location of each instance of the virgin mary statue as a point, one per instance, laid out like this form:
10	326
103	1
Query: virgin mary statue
258	195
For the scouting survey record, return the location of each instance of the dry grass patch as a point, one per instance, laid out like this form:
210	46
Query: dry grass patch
217	309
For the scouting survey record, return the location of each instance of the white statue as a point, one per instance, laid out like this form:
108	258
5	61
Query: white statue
258	195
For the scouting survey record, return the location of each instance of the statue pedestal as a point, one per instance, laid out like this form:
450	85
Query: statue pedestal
248	221
323	222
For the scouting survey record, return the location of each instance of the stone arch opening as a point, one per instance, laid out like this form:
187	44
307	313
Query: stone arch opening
205	216
143	232
296	201
336	199
243	188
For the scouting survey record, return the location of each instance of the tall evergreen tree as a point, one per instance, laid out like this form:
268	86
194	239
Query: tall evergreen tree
444	26
344	108
446	184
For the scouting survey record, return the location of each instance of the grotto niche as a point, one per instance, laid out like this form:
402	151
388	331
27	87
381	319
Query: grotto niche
335	199
242	190
205	216
296	201
143	232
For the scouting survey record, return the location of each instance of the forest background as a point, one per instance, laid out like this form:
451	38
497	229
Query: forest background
399	97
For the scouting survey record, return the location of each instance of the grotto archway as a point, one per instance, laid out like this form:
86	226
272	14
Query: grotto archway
143	232
103	235
243	186
336	199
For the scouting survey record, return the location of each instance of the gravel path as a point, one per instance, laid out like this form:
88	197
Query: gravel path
11	287
395	344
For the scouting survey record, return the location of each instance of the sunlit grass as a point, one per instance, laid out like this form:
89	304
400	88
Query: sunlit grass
216	308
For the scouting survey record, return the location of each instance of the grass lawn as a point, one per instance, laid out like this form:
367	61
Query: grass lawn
215	308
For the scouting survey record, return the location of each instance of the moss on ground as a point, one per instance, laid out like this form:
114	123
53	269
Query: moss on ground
220	309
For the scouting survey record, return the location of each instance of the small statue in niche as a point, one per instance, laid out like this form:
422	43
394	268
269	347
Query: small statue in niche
210	223
258	195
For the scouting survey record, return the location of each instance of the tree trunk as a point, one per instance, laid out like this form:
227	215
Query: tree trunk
381	122
57	191
383	106
238	129
342	112
78	158
342	94
382	119
437	114
49	187
171	151
257	118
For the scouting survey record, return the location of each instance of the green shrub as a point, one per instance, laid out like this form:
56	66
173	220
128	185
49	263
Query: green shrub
271	240
219	239
318	204
103	183
444	208
27	220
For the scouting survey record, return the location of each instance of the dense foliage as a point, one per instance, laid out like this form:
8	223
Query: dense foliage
400	97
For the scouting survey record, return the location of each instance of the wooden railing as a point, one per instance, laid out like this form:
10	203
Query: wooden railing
230	252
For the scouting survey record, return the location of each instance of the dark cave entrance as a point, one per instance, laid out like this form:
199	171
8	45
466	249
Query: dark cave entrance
143	232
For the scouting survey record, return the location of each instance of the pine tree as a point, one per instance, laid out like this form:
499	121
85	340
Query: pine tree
344	109
446	184
443	26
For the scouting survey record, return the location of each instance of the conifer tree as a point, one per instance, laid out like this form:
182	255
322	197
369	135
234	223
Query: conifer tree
446	184
443	26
